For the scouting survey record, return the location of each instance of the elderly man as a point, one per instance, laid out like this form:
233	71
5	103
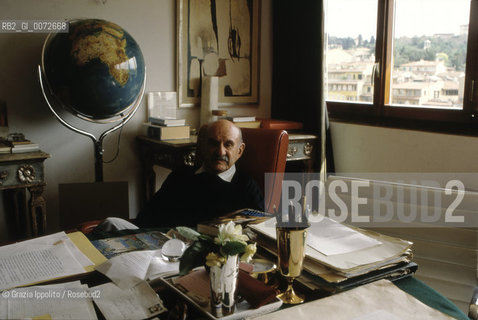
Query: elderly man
190	195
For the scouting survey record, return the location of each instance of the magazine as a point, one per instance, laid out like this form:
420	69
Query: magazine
111	247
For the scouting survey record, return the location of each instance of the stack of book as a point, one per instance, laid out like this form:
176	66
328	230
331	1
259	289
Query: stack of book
16	143
167	128
244	121
24	146
5	147
243	217
281	124
339	257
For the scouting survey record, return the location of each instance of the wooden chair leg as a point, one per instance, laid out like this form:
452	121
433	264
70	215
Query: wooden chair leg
37	210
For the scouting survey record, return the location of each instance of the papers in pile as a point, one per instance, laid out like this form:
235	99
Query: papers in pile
129	296
138	302
70	300
336	252
60	255
41	259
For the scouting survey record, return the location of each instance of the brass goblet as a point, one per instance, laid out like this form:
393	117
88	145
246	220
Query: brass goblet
290	253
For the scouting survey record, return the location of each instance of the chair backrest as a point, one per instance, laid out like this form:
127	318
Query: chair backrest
266	152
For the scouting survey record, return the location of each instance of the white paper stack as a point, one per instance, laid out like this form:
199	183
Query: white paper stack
40	259
136	303
337	252
129	296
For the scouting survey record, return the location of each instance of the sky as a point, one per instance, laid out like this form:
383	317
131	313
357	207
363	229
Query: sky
413	17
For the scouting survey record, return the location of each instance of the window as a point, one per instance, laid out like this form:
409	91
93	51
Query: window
414	60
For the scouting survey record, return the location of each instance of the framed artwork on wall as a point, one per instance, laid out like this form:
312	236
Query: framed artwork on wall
218	38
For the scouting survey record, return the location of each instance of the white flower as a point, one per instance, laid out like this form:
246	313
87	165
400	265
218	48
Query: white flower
250	251
230	232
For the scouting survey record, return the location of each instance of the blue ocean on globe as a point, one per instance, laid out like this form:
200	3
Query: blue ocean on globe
96	70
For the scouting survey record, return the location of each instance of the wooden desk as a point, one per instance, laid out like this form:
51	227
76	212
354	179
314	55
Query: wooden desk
171	299
18	172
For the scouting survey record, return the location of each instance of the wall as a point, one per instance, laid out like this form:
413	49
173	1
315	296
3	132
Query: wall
153	25
359	148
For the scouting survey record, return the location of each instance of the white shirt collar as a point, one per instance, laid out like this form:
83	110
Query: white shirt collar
225	175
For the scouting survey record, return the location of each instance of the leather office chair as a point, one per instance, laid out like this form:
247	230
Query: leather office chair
266	152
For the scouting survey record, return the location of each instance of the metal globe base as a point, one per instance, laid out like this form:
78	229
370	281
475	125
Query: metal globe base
98	142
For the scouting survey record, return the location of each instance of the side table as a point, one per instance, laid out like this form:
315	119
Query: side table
168	154
302	147
18	172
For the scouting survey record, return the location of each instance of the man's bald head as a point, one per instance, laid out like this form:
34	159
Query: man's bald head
224	146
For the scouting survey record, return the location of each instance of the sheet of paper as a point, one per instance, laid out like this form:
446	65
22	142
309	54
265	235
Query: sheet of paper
63	301
79	256
138	302
162	104
51	240
34	263
128	269
377	315
3	308
87	248
362	303
159	267
330	237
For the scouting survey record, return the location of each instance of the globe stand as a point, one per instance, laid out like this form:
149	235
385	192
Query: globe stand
98	142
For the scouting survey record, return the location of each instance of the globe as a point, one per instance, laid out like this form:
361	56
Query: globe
95	71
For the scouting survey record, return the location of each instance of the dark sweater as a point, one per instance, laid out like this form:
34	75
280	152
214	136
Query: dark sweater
186	198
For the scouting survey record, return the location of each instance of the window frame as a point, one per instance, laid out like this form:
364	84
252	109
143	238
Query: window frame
380	113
